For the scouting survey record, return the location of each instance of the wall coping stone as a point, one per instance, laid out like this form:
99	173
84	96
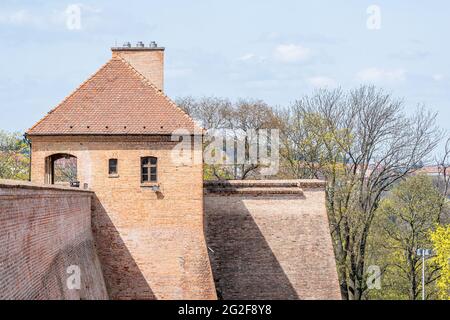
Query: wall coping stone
261	186
36	186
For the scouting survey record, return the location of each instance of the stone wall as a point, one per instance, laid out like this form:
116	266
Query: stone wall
151	244
270	240
45	238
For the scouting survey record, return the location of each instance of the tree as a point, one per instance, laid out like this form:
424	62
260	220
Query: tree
310	147
247	118
65	170
235	121
209	112
441	236
363	144
441	247
443	180
403	225
14	156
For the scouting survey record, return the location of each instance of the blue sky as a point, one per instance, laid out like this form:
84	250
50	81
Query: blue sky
273	50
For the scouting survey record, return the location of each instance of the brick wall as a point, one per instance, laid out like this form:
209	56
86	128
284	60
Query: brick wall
44	231
270	240
151	245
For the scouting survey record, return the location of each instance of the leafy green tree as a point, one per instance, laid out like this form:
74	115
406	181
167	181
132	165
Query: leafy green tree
14	156
403	224
441	247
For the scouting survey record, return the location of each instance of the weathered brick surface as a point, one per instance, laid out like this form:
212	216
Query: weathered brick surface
151	246
270	246
43	231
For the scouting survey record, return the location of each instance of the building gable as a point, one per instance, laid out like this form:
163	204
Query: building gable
116	100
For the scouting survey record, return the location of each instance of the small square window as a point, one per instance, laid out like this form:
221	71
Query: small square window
112	167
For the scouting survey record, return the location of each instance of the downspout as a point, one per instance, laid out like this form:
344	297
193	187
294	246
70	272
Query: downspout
28	141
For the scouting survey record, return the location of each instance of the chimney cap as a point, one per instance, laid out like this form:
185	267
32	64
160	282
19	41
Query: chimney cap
140	46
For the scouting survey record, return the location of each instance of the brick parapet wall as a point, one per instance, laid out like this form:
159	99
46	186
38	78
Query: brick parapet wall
263	245
261	187
44	230
271	184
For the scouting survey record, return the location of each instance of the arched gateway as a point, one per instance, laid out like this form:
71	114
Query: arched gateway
61	168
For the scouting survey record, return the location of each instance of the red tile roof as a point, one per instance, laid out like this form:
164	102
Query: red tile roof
429	170
117	99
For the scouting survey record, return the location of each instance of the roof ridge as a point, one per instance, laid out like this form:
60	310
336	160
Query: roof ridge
71	94
146	81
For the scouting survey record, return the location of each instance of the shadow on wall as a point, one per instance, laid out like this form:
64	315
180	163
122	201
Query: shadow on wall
122	276
244	266
54	284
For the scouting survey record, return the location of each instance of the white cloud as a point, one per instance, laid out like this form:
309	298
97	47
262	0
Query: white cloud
20	18
381	75
90	9
248	56
292	53
251	57
39	19
272	35
321	81
410	54
438	77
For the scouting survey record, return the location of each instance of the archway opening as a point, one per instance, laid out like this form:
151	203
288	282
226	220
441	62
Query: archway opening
61	169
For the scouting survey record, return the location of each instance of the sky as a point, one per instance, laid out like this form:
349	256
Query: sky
277	51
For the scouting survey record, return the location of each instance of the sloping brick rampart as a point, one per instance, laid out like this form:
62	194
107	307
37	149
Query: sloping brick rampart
270	240
45	238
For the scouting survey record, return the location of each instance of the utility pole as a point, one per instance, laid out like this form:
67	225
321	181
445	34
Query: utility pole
423	253
423	277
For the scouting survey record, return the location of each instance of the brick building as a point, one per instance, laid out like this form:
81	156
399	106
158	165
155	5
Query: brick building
148	216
